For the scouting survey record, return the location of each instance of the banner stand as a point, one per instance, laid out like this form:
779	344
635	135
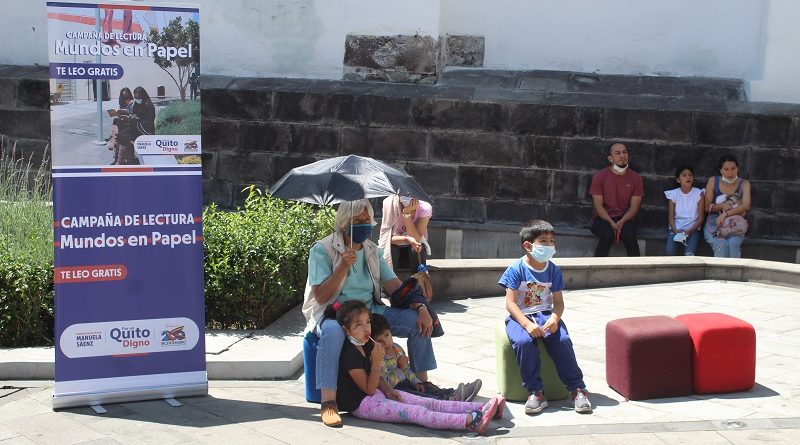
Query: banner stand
127	215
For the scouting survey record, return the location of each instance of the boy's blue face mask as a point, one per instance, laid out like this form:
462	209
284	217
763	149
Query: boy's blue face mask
360	232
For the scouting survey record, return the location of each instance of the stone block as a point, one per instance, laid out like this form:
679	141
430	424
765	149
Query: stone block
786	198
346	109
570	187
654	187
586	154
282	164
702	158
442	113
542	120
237	104
209	162
33	93
217	191
776	226
777	165
652	217
459	209
667	157
437	180
382	110
478	181
28	123
574	215
476	148
8	93
517	212
588	122
385	143
219	134
673	126
407	58
313	139
235	165
291	106
767	195
261	136
544	152
796	132
524	183
772	131
722	129
464	50
478	244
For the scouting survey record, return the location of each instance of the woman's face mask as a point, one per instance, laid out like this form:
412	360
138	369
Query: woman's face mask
359	232
138	101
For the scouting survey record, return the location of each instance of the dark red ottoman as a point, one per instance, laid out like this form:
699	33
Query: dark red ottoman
724	352
648	357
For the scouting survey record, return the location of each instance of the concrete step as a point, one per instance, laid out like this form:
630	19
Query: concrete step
272	353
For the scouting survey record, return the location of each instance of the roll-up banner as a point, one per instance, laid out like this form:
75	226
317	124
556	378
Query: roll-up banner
127	201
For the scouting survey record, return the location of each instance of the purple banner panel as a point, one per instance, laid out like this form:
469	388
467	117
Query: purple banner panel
127	204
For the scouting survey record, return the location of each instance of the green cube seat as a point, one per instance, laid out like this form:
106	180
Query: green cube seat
509	381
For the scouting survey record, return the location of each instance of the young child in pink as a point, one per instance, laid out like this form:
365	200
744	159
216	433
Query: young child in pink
360	379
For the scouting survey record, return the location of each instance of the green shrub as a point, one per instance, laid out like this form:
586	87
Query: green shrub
26	299
179	118
256	259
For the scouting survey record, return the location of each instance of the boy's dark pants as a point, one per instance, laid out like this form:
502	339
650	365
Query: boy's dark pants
441	393
603	230
558	345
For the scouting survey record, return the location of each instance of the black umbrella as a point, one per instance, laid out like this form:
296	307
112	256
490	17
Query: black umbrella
346	178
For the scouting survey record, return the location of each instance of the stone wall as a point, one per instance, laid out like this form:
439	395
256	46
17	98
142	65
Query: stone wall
499	161
25	112
488	162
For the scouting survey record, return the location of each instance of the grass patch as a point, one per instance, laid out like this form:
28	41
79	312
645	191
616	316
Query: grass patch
179	117
26	211
26	251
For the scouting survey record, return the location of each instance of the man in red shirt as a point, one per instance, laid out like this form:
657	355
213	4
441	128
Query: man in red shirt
617	195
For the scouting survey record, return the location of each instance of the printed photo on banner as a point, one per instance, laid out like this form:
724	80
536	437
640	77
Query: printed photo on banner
125	85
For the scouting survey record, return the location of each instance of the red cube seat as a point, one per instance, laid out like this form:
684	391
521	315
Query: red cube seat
724	352
648	357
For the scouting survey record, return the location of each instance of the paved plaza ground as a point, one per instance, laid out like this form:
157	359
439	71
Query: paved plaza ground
267	412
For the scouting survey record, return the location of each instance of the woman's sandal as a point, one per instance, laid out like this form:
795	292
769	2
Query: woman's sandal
330	414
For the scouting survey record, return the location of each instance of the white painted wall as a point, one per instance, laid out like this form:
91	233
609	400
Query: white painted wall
781	77
719	38
23	33
258	38
754	40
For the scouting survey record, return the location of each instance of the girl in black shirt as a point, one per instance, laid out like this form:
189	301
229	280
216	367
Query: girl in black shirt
359	385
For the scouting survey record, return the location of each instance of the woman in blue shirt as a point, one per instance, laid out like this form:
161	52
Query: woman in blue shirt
344	266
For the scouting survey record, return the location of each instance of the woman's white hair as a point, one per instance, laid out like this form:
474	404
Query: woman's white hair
350	209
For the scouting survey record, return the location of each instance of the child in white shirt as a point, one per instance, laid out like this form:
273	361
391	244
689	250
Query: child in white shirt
685	213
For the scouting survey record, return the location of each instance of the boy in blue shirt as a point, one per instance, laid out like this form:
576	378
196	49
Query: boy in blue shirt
535	304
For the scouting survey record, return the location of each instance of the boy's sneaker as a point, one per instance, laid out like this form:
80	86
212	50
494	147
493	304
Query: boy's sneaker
581	399
471	390
458	394
536	403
